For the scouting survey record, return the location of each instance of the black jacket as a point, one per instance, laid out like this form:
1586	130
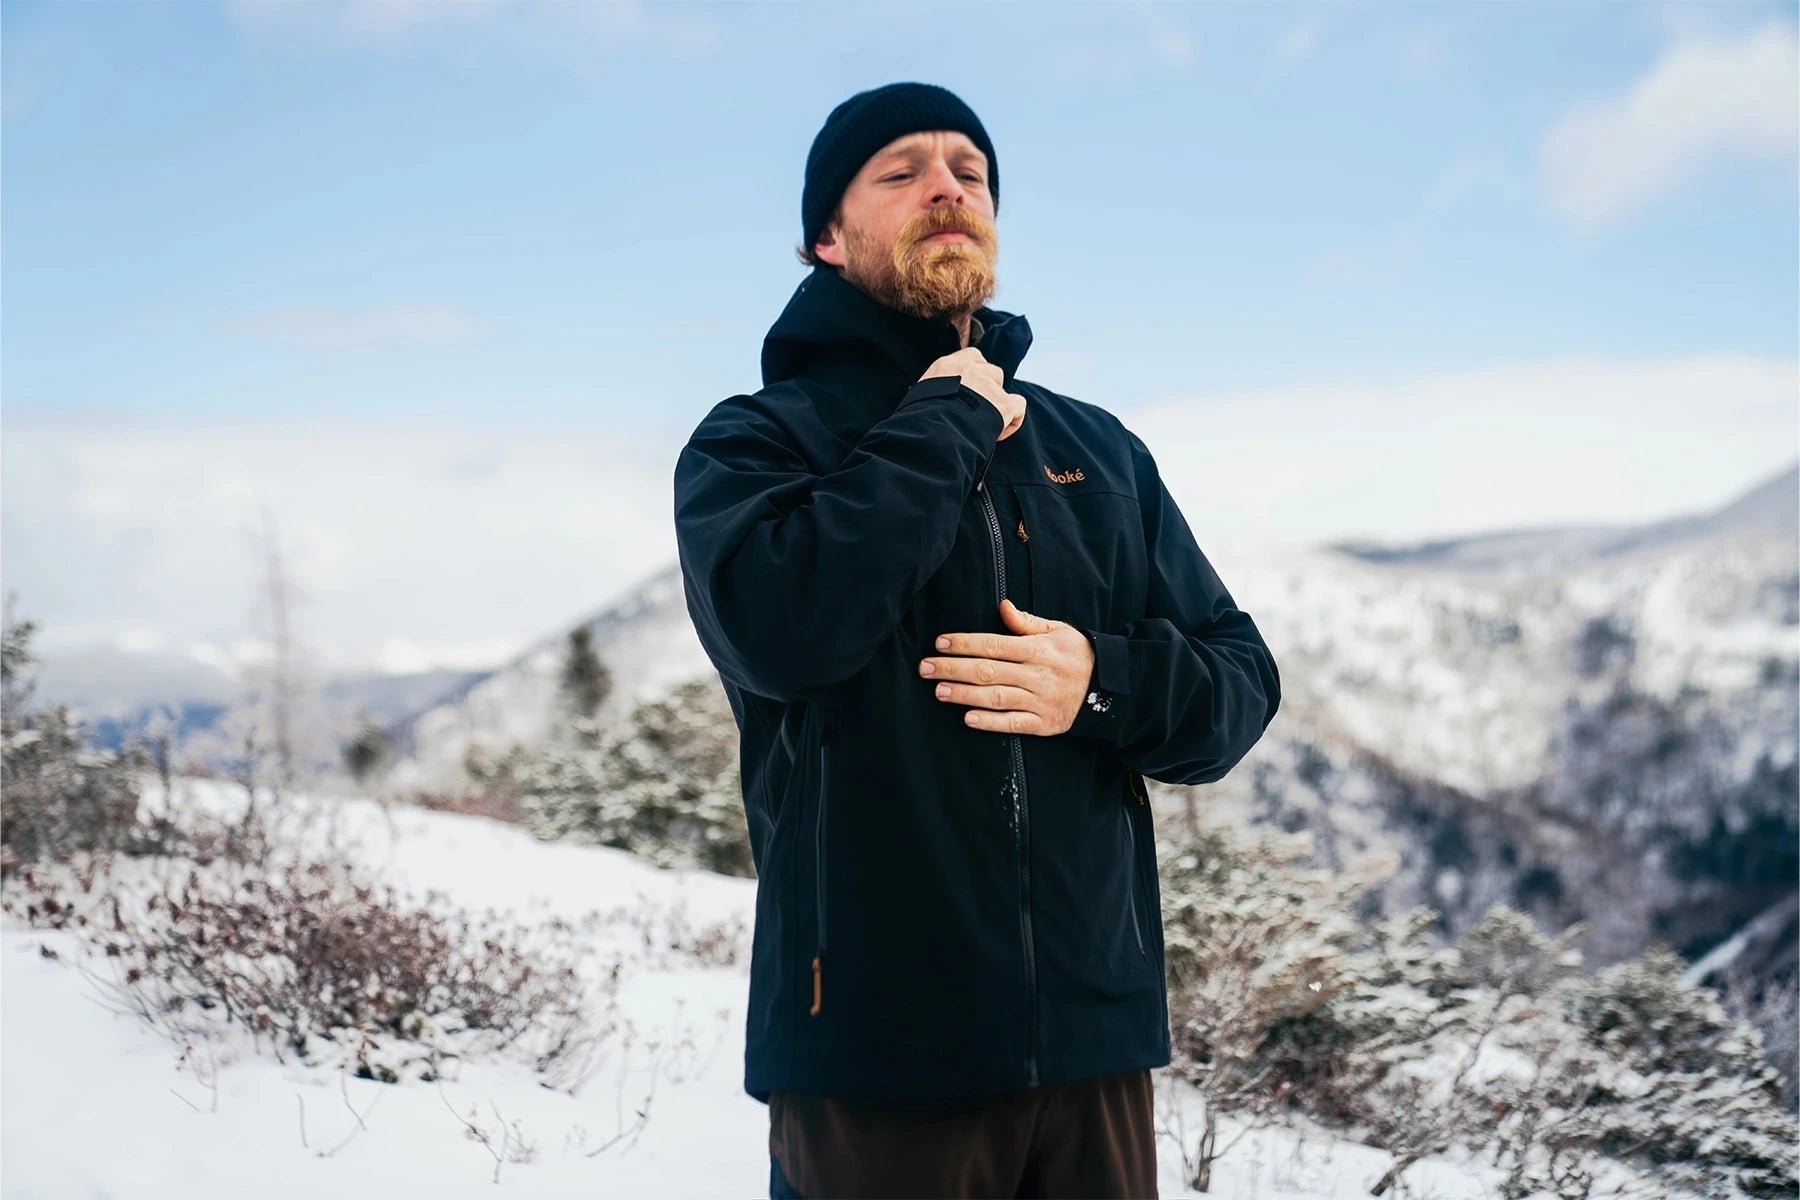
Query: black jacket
944	912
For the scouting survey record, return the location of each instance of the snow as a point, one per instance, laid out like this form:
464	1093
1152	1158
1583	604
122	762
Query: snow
97	1104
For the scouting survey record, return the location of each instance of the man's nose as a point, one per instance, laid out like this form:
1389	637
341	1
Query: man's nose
946	188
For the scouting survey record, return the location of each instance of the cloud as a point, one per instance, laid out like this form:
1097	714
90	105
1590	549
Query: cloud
1296	44
1468	176
1712	97
356	328
414	545
1564	441
1379	262
1109	41
408	544
1425	52
550	28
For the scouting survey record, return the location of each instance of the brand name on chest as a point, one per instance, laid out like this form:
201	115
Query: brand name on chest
1074	476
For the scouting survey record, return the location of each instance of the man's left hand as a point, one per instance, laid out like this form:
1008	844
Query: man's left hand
1029	683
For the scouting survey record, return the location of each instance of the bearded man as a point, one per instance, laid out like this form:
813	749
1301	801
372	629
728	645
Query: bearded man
960	621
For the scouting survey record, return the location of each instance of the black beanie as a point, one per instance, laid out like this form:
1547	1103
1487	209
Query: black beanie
865	123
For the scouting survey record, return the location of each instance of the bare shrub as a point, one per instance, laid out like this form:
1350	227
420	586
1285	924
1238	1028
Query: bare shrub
321	963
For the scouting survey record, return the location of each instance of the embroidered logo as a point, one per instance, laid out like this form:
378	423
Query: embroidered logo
1074	476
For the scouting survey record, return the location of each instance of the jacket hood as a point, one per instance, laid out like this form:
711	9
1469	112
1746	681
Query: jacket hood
828	316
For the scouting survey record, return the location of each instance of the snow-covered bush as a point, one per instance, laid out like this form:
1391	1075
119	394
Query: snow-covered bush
318	961
664	785
1253	941
1502	1042
62	796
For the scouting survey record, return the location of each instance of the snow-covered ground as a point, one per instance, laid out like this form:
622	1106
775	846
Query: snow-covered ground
98	1104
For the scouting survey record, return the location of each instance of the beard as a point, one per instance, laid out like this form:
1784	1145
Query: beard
935	280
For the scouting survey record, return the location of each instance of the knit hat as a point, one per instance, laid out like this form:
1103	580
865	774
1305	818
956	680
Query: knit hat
865	123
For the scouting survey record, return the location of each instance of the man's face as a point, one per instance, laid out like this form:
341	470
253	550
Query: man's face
915	228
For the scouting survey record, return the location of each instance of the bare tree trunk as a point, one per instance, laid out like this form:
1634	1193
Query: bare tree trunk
1209	1141
281	675
1392	1174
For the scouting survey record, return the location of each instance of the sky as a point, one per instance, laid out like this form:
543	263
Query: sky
438	290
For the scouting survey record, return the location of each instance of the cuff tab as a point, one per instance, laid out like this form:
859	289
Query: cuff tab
940	385
1112	662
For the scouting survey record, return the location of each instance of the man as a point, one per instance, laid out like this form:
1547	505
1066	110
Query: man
959	621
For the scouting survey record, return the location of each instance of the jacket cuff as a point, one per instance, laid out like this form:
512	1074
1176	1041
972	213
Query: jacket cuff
941	385
1108	684
952	385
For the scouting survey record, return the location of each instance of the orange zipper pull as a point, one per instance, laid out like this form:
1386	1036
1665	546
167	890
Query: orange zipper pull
815	1007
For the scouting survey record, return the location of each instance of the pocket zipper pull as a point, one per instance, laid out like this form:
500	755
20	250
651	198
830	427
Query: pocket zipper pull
1023	536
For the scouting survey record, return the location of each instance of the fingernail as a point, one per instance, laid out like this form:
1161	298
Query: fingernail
928	668
943	689
943	643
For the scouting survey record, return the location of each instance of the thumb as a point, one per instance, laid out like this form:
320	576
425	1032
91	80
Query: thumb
1018	619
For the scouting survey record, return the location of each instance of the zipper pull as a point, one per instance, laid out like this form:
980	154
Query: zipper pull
1023	536
815	1007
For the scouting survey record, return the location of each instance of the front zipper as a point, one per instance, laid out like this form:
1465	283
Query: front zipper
819	877
1021	808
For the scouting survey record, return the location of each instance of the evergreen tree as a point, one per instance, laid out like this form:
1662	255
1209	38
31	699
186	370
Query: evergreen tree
585	680
367	750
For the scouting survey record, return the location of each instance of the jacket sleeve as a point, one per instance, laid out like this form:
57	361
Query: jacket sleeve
793	578
1183	691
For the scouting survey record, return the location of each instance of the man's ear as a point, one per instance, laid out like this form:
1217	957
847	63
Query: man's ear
827	249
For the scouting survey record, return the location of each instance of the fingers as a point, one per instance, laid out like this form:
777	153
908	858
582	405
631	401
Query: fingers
997	698
1020	619
1008	647
1006	722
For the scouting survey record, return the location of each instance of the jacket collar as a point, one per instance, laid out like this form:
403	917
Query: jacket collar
828	316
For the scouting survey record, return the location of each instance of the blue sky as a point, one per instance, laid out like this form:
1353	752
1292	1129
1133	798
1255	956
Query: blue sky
469	233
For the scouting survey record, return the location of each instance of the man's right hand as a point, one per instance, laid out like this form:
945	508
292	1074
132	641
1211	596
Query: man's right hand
980	375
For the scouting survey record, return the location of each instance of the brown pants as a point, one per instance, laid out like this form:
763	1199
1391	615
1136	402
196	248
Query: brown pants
1090	1138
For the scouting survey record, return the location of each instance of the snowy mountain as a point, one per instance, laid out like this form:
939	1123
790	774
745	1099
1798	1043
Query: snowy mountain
1769	507
121	692
645	639
1588	725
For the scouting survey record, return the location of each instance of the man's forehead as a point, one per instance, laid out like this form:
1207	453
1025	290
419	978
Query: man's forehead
956	141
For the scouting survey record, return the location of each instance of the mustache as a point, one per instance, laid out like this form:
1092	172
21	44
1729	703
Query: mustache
976	230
